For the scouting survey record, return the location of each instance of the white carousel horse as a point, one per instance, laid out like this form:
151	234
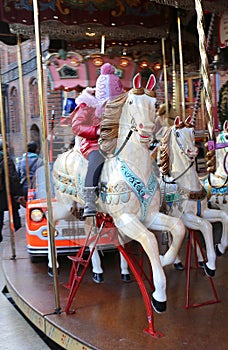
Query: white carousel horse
128	189
216	183
188	200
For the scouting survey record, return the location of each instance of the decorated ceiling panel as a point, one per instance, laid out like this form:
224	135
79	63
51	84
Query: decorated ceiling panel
112	13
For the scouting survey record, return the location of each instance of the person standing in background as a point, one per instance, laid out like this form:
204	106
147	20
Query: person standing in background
33	163
16	191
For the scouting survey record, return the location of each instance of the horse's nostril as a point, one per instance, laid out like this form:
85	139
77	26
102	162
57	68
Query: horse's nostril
140	125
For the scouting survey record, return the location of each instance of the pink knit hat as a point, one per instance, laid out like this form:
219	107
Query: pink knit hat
108	84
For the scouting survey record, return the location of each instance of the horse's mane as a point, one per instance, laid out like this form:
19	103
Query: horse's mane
164	145
110	124
164	152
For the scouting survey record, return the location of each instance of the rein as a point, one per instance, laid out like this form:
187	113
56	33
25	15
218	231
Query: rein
178	177
224	165
217	187
109	156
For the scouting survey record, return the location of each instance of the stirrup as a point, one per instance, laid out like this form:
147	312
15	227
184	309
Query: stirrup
88	212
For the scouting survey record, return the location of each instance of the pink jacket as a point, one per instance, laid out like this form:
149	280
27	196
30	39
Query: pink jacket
85	124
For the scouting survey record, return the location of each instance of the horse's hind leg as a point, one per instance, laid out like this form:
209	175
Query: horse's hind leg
175	226
204	226
131	227
214	215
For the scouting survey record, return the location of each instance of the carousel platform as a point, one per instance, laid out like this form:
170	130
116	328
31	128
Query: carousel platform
112	315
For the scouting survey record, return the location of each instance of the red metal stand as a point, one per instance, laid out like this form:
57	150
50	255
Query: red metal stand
106	227
193	238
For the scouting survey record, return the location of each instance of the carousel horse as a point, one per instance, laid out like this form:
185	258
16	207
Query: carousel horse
217	183
128	189
185	196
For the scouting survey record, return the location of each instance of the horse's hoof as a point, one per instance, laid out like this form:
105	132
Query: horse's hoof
50	271
217	251
178	266
201	264
208	271
98	277
126	277
158	306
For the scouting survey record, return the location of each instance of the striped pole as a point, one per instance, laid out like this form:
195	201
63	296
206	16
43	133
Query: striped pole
174	75
204	67
198	97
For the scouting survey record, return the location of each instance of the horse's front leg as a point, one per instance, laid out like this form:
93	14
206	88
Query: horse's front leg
204	226
214	215
130	226
162	222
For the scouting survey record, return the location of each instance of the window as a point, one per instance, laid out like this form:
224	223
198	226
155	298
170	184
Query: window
14	111
34	99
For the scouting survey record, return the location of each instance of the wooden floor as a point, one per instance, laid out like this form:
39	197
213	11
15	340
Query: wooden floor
112	315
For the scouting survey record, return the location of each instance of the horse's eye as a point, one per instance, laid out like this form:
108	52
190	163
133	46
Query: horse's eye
130	102
177	134
226	137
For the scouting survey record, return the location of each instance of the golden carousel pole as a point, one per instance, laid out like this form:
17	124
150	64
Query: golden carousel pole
19	59
6	168
165	78
51	229
181	68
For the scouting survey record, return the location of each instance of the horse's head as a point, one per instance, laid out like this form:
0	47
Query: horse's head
184	136
179	140
141	107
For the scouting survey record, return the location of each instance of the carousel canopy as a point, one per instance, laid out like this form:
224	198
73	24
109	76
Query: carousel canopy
129	26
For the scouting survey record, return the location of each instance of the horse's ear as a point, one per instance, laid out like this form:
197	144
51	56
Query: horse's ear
137	81
177	121
225	126
151	82
188	121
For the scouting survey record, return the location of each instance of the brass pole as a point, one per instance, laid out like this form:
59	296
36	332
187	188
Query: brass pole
19	59
6	168
165	78
181	68
51	229
102	44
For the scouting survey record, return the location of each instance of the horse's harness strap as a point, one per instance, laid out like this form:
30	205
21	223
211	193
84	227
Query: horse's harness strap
143	192
193	195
